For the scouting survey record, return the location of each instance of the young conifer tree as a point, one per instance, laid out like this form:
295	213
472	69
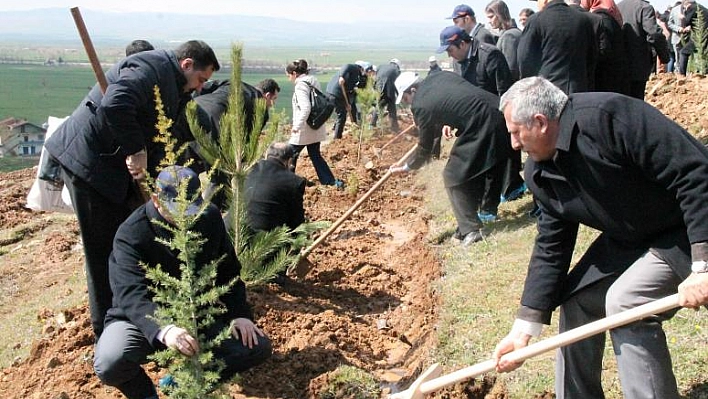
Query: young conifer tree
192	299
700	39
263	254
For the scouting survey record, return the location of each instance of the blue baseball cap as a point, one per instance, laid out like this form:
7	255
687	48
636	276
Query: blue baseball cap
451	35
462	10
168	185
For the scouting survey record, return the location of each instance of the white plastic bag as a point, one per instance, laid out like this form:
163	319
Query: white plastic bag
44	195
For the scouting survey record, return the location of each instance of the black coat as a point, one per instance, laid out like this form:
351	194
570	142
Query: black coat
94	142
626	170
135	242
213	101
612	71
486	68
444	98
386	82
558	43
274	196
643	37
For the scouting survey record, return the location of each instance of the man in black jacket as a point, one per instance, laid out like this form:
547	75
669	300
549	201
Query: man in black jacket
643	37
274	194
481	64
131	332
386	85
618	165
559	44
341	87
446	104
106	146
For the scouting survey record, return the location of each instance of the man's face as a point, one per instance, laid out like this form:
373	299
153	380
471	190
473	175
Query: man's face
538	141
458	51
522	19
408	96
270	98
195	77
463	22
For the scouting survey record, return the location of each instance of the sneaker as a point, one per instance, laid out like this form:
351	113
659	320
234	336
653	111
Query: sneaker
339	184
487	217
515	194
472	237
167	382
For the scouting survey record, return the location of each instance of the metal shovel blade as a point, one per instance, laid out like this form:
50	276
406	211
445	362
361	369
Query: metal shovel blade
301	268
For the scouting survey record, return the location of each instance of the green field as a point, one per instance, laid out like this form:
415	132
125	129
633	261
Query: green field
34	92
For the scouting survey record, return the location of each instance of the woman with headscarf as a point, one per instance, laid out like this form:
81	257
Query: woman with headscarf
611	71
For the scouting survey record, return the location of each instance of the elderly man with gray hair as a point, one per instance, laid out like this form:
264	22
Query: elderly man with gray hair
615	164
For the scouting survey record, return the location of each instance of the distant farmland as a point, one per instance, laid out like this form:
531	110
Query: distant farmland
34	92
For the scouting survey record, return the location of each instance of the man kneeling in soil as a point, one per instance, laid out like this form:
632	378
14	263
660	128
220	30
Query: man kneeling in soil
131	333
445	103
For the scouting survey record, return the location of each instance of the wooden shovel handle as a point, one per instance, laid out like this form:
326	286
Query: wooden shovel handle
100	78
563	339
354	207
90	50
396	137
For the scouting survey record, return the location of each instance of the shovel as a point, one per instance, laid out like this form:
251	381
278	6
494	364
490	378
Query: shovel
430	382
379	151
100	78
303	265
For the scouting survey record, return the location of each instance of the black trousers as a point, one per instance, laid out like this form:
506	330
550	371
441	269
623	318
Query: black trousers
512	173
340	108
636	88
480	194
98	219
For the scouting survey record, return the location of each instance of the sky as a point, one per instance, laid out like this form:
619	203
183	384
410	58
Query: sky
304	10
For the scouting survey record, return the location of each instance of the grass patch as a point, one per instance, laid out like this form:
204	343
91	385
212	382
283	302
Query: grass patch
481	288
350	382
10	164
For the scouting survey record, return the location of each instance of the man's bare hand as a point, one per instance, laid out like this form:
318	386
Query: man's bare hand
179	339
693	292
510	343
245	330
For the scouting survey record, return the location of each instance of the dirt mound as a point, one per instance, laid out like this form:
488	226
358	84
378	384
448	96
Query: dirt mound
367	303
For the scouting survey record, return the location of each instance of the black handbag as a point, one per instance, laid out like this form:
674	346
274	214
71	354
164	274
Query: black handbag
322	106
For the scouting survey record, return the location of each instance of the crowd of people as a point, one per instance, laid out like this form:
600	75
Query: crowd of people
565	85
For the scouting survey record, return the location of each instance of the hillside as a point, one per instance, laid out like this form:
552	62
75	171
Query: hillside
370	302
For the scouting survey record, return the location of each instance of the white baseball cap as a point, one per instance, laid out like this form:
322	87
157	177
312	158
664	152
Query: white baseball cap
432	59
404	81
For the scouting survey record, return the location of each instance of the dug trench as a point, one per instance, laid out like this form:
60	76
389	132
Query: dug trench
367	303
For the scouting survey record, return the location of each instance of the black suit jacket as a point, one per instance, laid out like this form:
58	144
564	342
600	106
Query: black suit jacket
274	196
643	36
104	129
559	44
135	242
445	98
626	170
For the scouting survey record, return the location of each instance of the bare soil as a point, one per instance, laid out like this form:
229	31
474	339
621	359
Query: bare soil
368	302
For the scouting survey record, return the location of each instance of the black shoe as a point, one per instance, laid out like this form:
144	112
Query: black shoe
472	237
